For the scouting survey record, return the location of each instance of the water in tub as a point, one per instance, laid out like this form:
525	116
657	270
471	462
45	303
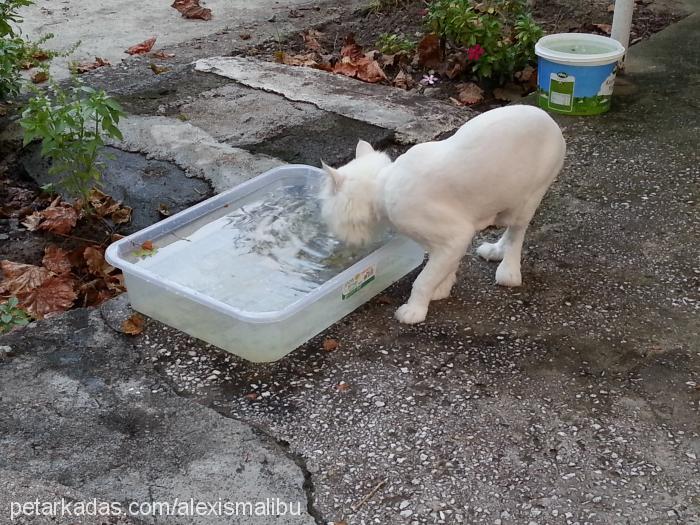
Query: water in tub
259	257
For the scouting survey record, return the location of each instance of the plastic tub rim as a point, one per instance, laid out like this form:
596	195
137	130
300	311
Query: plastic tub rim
598	59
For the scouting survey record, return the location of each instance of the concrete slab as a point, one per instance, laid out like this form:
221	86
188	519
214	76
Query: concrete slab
106	28
414	118
84	416
193	149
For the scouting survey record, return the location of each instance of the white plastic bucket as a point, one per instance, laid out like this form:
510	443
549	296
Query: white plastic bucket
576	72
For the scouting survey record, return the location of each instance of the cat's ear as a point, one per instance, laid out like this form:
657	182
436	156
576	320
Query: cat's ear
334	176
363	148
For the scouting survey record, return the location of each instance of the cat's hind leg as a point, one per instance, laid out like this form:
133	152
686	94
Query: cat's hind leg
443	261
491	251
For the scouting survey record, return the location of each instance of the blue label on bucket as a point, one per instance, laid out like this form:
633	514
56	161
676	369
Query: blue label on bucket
575	89
591	81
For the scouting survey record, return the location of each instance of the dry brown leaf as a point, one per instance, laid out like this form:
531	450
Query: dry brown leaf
158	70
101	203
134	325
342	387
40	77
95	261
192	9
308	59
403	80
525	74
603	28
105	206
90	66
351	49
121	215
510	92
56	260
58	218
143	47
469	93
93	293
330	344
369	70
429	53
53	296
162	55
455	69
252	396
115	283
363	68
20	278
31	222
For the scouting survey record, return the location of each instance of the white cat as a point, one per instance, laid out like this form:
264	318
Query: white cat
493	171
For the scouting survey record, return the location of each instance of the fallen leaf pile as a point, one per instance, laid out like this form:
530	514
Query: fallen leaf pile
352	61
72	274
192	9
398	69
106	207
79	276
65	278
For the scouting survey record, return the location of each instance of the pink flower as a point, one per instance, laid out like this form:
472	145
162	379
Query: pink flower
429	80
475	52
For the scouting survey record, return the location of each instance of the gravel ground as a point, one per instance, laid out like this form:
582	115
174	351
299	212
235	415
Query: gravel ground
574	399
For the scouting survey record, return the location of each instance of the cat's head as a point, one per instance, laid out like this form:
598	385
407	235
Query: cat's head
349	196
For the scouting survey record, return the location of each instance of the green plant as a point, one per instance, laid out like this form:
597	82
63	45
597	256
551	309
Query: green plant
11	53
391	43
9	15
11	315
503	30
72	125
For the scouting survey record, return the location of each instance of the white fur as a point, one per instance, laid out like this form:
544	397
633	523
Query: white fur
494	170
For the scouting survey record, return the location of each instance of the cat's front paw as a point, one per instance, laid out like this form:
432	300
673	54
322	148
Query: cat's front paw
411	314
508	275
490	251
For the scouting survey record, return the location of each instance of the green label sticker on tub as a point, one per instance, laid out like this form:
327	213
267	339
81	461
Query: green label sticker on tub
358	282
561	91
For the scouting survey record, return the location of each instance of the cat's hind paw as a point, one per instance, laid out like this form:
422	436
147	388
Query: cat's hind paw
490	251
411	314
508	275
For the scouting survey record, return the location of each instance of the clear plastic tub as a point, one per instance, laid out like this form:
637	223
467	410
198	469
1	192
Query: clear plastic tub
162	286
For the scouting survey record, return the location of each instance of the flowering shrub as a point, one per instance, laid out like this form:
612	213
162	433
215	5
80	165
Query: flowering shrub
498	36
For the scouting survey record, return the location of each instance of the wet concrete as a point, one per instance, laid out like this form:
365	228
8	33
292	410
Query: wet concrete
142	184
332	138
